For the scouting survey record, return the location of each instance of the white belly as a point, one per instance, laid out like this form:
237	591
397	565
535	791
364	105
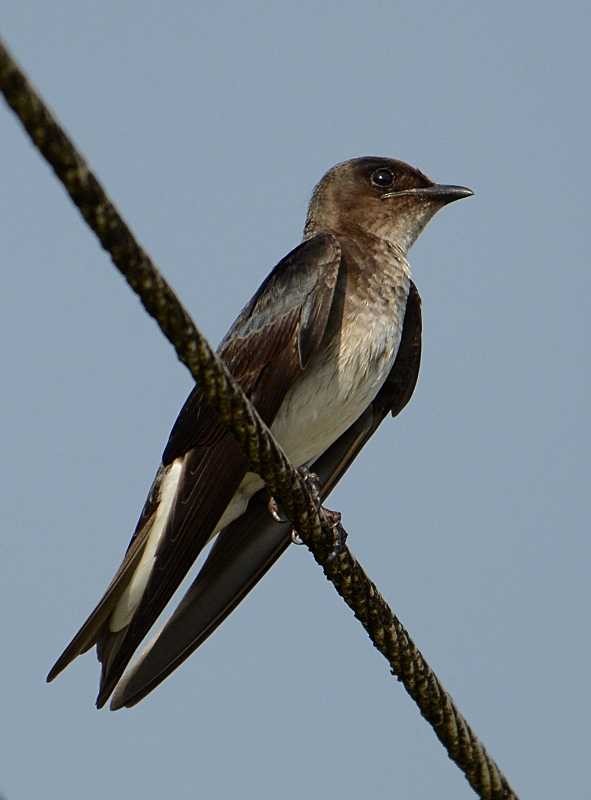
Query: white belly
330	396
333	392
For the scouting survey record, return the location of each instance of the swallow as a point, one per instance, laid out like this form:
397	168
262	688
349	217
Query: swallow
315	349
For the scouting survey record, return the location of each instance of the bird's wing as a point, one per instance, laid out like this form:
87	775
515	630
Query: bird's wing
267	349
246	549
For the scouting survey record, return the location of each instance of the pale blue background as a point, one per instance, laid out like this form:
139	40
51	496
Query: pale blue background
209	123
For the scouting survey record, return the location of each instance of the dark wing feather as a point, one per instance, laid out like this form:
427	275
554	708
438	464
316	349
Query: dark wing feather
91	629
277	331
246	549
259	350
266	350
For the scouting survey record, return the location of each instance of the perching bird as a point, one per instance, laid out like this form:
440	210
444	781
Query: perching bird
312	349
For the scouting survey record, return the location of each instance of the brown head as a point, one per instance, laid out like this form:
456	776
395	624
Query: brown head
380	196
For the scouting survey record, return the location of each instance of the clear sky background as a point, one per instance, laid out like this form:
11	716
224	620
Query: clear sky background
209	124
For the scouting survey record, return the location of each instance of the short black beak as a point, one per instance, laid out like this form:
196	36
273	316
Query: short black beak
444	192
447	192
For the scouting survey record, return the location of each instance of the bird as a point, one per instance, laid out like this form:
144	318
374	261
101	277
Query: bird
313	349
245	550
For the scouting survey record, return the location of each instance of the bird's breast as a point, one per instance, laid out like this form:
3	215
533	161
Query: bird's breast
343	379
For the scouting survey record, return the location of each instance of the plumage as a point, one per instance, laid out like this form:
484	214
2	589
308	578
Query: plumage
245	550
312	350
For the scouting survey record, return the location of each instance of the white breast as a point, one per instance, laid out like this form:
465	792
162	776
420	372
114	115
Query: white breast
337	387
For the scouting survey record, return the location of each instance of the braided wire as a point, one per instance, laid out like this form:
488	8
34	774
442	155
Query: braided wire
264	454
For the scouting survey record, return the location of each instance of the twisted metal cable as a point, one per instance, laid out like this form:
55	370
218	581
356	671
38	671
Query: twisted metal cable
264	455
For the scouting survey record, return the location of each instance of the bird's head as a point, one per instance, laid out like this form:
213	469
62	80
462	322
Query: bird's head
381	196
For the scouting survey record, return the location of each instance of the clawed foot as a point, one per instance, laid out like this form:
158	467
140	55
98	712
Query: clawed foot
313	481
329	517
333	518
273	508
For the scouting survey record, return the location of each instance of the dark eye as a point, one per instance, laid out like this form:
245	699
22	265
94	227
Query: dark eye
382	177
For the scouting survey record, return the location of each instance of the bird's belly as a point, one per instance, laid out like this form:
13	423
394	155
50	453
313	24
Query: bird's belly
333	393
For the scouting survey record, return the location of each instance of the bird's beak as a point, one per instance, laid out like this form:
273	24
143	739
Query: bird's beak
446	193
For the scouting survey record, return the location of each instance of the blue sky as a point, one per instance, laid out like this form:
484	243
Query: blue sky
209	124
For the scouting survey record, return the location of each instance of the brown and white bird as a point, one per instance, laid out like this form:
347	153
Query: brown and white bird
315	349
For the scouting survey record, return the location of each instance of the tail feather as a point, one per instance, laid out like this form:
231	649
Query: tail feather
96	625
93	627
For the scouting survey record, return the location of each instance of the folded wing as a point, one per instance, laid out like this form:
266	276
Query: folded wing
267	349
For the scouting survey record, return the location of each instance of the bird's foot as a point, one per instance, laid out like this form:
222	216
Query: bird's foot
313	482
339	534
330	518
295	539
273	508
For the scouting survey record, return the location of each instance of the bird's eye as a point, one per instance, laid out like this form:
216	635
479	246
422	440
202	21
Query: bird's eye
382	177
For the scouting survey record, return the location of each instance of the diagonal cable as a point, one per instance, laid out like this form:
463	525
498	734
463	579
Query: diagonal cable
265	456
